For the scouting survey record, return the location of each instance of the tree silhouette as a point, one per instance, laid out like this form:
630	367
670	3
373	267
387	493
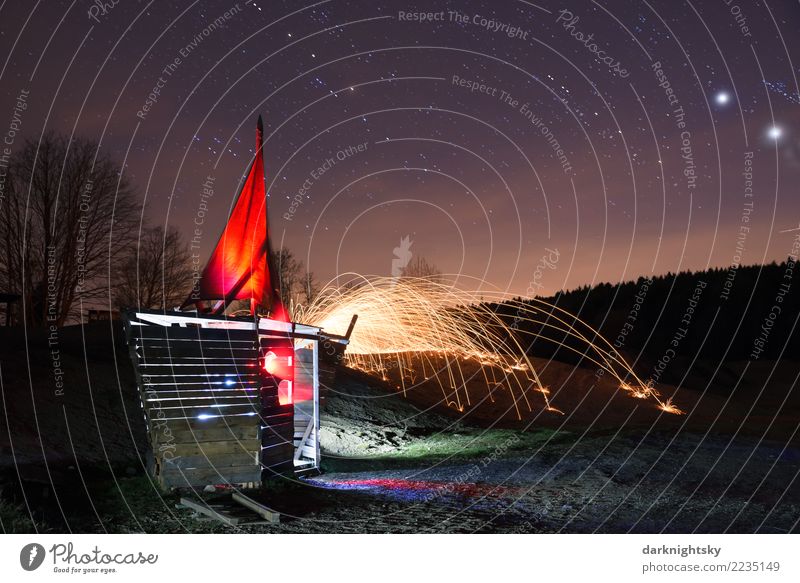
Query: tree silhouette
421	267
66	224
157	273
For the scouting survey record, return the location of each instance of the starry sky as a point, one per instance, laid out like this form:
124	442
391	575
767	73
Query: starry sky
621	138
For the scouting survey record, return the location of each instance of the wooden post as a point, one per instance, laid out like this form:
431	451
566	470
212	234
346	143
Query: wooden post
351	326
266	513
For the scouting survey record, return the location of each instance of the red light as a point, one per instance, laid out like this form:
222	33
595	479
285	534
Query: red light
278	361
271	362
285	396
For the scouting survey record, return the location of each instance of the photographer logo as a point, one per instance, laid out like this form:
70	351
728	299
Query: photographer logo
31	556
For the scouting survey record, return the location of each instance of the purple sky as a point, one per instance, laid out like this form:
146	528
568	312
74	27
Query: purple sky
557	151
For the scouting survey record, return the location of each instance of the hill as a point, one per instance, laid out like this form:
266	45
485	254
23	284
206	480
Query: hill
681	326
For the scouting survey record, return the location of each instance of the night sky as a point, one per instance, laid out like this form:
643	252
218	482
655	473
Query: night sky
491	133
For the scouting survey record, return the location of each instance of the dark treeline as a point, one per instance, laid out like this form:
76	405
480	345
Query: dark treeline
722	315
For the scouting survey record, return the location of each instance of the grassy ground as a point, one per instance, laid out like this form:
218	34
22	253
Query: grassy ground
395	464
14	518
500	481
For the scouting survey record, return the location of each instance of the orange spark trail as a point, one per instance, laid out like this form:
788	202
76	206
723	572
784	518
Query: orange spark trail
445	328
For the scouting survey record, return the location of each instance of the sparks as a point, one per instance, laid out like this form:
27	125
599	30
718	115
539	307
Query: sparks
668	407
415	329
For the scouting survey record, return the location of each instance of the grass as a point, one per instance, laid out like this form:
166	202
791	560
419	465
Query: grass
14	519
472	443
135	505
466	443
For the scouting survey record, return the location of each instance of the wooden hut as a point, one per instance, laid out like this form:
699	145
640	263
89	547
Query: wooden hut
228	400
232	399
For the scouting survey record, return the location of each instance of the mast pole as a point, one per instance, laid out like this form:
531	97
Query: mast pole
254	302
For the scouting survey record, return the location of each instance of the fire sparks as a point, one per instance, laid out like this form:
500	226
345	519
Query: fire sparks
639	392
414	330
668	407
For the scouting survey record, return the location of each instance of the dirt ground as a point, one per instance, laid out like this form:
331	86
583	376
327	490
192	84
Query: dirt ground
394	463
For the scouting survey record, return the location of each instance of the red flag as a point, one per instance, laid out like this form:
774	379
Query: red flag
240	266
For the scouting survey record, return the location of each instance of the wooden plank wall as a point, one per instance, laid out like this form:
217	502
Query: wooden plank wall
202	392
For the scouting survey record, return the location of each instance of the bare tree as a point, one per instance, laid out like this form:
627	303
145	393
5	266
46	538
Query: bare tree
310	287
296	284
420	267
289	272
157	273
65	226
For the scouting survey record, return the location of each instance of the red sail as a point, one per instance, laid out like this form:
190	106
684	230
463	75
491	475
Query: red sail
239	268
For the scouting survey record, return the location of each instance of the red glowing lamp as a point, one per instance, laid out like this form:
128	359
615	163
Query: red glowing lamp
278	362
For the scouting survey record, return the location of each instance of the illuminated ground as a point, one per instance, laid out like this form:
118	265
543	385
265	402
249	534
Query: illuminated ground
596	483
392	466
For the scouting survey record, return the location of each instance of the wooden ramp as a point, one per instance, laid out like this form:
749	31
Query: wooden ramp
238	510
